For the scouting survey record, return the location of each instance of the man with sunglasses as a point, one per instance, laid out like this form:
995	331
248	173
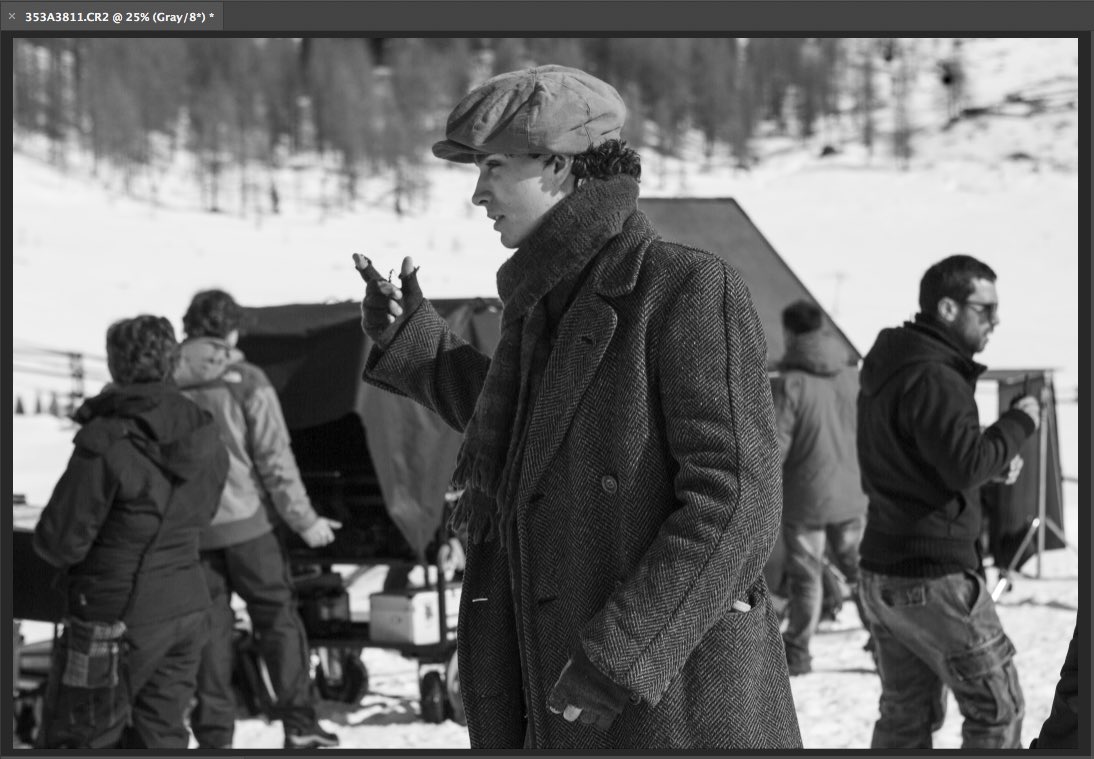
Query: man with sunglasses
923	457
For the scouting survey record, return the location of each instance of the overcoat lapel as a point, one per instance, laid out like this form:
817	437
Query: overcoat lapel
583	338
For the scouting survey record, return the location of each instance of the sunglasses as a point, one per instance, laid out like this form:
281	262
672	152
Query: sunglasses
988	310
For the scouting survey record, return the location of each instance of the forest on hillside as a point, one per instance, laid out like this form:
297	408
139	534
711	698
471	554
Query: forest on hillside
247	107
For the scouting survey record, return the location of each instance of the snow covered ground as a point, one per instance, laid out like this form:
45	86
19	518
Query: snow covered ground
857	230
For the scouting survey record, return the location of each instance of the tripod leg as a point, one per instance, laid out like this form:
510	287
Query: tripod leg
1001	585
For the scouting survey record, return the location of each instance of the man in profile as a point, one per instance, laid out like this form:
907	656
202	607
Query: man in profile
924	457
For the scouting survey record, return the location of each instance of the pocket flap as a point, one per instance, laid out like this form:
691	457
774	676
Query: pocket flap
983	659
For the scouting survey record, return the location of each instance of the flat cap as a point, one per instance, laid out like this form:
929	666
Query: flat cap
540	110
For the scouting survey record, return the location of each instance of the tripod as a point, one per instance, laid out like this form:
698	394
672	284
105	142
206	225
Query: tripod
1042	521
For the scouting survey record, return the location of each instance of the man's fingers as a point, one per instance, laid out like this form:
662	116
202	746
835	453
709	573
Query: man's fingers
334	524
587	717
390	290
571	712
408	266
395	308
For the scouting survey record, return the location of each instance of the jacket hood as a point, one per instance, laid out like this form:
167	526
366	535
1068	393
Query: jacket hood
817	352
171	430
918	342
203	359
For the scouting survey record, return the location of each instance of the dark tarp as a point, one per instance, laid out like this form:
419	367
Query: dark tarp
1011	509
720	226
342	428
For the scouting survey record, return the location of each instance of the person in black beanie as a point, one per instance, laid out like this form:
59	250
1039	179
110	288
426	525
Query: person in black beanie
923	457
620	472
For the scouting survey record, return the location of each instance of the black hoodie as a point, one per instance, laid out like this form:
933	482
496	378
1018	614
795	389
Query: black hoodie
144	455
922	453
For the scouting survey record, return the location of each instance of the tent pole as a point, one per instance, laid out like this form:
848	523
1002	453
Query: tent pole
1042	471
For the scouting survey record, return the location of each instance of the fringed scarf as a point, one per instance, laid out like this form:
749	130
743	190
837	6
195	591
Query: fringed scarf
556	253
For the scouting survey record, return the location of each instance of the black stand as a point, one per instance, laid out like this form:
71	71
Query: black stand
1042	520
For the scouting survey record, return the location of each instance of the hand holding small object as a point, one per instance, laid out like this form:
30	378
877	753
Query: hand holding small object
384	302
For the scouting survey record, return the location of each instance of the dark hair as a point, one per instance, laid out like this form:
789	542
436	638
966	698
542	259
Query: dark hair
141	349
951	278
608	159
802	316
212	313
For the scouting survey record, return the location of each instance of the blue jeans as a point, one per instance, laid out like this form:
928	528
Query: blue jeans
936	631
805	552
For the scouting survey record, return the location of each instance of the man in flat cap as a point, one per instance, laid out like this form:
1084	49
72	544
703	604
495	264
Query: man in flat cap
620	470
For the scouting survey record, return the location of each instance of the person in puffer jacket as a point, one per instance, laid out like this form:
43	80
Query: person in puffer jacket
123	522
239	551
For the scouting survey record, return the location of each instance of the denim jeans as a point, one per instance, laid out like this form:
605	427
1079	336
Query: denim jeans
805	550
936	631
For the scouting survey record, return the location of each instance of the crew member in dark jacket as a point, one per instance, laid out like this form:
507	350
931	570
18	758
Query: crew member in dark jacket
620	468
923	457
824	509
124	521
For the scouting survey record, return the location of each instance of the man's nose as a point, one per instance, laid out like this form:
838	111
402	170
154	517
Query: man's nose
479	196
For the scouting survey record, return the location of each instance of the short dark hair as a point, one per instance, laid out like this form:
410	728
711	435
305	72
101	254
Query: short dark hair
802	316
141	349
951	278
212	313
608	159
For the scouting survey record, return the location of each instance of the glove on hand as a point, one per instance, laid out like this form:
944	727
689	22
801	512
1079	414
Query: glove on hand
584	693
386	307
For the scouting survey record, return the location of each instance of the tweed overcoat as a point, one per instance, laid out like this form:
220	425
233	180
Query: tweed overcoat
648	501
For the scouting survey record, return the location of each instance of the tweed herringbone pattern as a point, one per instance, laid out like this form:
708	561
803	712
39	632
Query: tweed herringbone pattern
648	502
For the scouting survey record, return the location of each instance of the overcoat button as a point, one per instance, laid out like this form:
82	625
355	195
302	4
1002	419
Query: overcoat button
608	483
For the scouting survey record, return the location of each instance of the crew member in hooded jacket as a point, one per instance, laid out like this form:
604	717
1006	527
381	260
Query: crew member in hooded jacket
144	480
824	508
620	471
923	457
240	552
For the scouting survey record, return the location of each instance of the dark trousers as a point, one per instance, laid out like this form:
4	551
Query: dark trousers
806	547
936	631
148	707
259	572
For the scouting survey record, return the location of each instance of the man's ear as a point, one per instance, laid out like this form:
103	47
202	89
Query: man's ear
947	309
560	168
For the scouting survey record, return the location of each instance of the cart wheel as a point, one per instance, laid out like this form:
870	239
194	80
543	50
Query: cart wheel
432	697
347	680
28	717
454	705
